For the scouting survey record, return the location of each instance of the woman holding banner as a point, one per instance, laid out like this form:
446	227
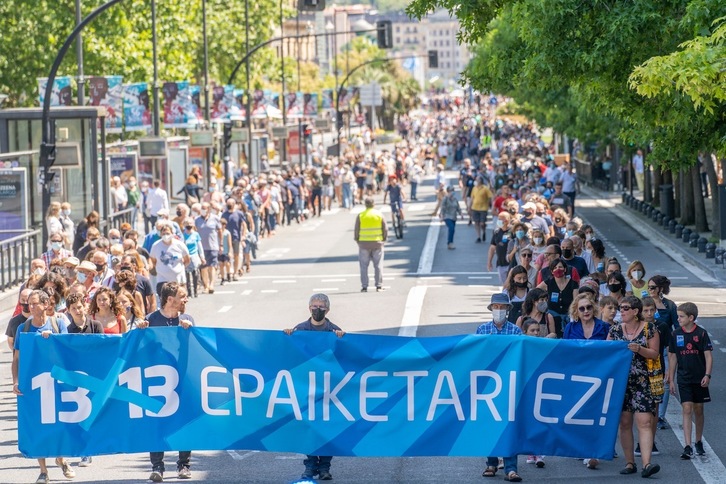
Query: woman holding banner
639	404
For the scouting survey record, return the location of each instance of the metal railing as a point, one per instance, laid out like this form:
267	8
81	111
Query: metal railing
592	174
15	256
116	219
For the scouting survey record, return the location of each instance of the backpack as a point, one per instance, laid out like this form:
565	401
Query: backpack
53	324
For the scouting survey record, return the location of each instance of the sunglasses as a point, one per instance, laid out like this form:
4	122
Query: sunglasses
582	309
652	288
526	255
624	308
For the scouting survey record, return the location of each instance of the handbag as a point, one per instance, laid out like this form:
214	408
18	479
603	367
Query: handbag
655	373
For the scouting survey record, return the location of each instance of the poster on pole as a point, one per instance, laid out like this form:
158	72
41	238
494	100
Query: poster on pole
13	202
122	166
62	92
108	91
310	104
294	105
224	104
258	103
239	109
181	105
137	115
328	103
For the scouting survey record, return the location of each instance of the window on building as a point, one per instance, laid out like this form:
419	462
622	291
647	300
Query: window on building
398	29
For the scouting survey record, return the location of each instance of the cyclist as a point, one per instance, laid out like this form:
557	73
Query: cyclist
397	198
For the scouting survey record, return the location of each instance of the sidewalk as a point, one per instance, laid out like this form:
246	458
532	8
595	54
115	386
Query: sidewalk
679	250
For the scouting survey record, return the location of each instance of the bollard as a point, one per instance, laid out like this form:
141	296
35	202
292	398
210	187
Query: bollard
686	235
624	197
678	231
658	217
666	221
700	243
710	251
719	255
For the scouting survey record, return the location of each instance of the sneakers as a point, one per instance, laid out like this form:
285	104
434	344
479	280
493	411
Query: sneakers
379	289
539	462
451	246
325	476
591	463
308	474
184	473
68	471
655	450
531	459
478	240
662	424
699	448
687	453
363	289
637	449
42	479
85	461
156	476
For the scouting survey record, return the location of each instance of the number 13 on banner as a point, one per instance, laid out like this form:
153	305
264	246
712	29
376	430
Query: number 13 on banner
130	388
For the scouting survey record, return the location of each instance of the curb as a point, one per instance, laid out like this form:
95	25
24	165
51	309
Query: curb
645	227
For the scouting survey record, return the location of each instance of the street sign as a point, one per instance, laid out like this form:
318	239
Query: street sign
201	138
322	124
279	132
240	135
371	94
152	147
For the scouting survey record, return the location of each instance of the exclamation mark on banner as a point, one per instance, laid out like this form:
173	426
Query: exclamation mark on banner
606	403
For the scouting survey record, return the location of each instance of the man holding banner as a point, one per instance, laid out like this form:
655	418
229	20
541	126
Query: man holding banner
173	303
500	306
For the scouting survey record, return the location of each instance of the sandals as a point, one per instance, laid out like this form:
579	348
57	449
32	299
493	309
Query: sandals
630	468
513	477
490	471
649	470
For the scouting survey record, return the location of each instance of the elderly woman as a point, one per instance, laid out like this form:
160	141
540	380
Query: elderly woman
639	404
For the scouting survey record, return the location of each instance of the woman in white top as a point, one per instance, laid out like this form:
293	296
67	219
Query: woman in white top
52	219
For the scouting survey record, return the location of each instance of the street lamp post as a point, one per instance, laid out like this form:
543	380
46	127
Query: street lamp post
206	87
283	143
79	58
155	61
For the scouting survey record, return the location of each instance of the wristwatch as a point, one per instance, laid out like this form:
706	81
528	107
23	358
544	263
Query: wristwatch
708	375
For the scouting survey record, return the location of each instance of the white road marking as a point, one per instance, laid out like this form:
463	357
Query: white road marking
223	292
237	456
479	277
332	280
426	262
268	291
224	309
412	311
322	289
284	281
246	292
3	338
715	341
709	466
416	208
723	349
432	275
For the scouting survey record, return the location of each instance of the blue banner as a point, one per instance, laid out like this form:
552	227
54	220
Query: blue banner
313	393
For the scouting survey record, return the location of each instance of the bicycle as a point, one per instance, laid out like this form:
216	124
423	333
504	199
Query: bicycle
397	221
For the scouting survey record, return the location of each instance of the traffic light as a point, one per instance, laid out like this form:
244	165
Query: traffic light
311	5
433	59
385	34
307	130
227	139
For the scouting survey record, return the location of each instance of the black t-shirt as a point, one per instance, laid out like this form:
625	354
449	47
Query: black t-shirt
579	263
560	201
158	319
559	300
500	240
13	325
309	326
689	349
91	327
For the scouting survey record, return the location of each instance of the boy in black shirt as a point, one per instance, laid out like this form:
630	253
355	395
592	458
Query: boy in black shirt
319	306
690	352
78	312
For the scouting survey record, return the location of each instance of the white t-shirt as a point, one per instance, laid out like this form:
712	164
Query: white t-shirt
169	260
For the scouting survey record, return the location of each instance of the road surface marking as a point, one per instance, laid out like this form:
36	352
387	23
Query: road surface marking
224	292
426	262
237	456
322	289
332	280
480	277
412	311
723	349
709	466
268	291
416	208
715	342
246	292
284	281
224	309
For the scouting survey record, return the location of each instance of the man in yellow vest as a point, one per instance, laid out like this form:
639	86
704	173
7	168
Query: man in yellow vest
371	233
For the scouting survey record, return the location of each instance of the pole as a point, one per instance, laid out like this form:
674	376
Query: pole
155	60
209	153
335	68
283	144
79	58
248	102
299	120
47	144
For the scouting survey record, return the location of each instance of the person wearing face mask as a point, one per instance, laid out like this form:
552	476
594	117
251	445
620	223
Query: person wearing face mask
69	226
85	274
210	230
561	291
535	307
169	256
516	287
635	275
196	255
498	247
517	243
18	319
238	229
481	198
560	219
92	237
156	200
55	250
538	243
499	307
559	200
613	265
572	260
530	217
319	306
104	274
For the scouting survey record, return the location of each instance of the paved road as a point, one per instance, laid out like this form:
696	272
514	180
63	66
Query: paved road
431	291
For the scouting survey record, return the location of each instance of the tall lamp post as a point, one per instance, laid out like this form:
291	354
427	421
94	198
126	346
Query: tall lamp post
283	143
155	61
79	58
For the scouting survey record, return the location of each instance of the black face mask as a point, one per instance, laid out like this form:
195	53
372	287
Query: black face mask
528	214
614	287
566	253
521	284
125	268
100	267
179	213
25	307
318	314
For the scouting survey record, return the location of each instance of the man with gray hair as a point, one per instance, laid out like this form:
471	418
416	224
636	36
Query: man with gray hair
371	233
318	306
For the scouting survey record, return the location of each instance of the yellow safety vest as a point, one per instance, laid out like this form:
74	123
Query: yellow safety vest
371	226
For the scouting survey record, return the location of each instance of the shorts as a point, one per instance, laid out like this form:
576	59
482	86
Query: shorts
211	258
694	393
235	247
327	190
224	258
479	216
396	205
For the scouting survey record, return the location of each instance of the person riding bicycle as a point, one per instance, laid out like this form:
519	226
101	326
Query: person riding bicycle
397	197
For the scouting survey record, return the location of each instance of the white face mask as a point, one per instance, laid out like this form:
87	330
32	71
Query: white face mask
166	238
39	271
115	241
204	213
499	315
538	240
637	275
56	245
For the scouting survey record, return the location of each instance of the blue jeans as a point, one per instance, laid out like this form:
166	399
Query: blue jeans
510	463
451	225
347	196
319	463
414	188
666	396
157	460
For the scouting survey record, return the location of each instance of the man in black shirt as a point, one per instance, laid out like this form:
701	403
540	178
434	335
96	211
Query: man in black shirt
78	312
173	303
16	321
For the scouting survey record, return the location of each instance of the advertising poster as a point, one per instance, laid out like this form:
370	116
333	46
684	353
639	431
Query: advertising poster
258	104
62	93
108	91
181	105
310	104
294	105
224	104
239	111
346	96
196	156
328	100
136	107
13	202
122	166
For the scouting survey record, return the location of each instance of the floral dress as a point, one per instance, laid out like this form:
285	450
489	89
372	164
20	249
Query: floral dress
638	397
